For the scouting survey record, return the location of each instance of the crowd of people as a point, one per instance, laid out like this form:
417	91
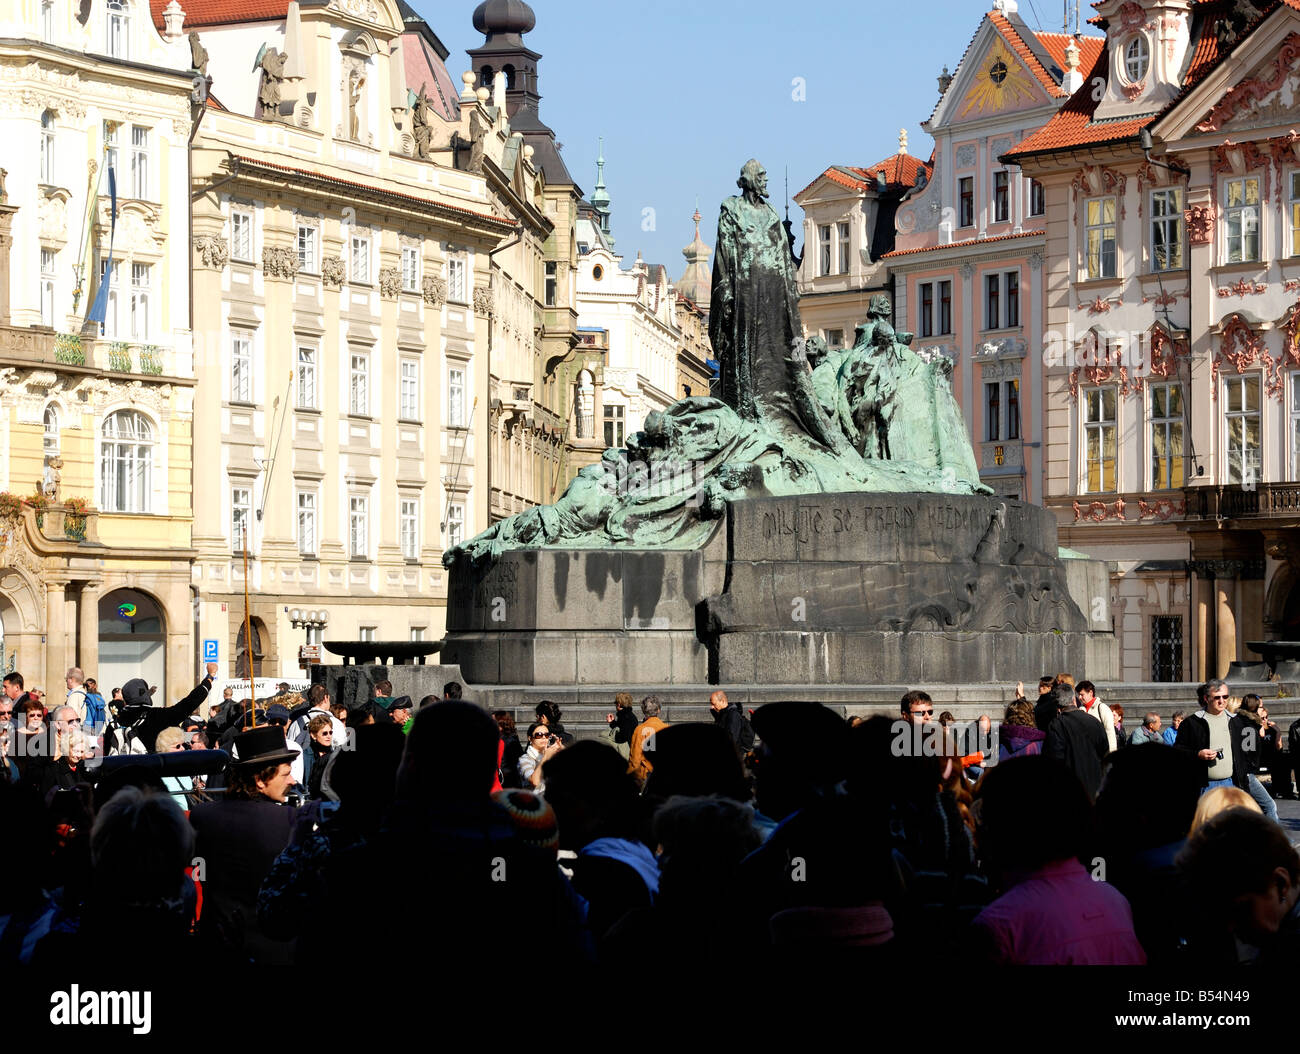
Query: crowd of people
1053	836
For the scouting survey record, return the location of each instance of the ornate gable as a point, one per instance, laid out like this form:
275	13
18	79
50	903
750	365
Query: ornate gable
1266	98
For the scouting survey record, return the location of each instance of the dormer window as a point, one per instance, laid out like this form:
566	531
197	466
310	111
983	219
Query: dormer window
118	29
1137	57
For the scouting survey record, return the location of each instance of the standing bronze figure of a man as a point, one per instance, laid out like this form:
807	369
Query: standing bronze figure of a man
754	320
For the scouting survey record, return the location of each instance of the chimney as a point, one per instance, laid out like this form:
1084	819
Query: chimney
1072	81
173	19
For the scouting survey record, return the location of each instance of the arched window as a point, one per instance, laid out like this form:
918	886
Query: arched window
132	639
509	71
1136	57
118	30
51	431
126	463
586	406
47	146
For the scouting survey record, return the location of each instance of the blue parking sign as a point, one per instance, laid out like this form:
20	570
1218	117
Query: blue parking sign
210	651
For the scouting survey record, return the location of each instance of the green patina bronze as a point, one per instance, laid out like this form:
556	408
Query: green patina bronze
793	418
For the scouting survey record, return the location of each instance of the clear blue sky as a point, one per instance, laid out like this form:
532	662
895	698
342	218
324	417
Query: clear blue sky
685	92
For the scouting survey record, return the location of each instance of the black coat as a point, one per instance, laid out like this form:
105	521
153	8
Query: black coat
155	719
625	723
737	727
1194	736
1077	738
238	840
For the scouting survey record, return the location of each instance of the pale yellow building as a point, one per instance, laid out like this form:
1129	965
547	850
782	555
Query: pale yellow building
344	299
95	416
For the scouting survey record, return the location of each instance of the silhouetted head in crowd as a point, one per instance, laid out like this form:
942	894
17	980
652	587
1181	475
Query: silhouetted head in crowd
361	714
140	845
1063	696
453	690
592	794
1147	798
548	713
363	780
801	756
1033	812
451	755
695	760
703	839
1221	799
1245	872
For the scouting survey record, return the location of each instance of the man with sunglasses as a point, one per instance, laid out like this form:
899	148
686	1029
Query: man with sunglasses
917	707
1214	736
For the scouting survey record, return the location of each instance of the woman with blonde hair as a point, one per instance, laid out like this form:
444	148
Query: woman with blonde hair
1218	800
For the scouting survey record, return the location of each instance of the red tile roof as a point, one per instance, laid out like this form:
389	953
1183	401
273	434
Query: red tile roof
1073	124
1026	55
900	170
1056	43
959	245
220	12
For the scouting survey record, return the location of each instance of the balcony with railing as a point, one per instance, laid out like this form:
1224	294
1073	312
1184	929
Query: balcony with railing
1260	501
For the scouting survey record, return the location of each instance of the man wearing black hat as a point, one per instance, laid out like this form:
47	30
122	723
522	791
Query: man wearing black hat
238	837
137	722
401	709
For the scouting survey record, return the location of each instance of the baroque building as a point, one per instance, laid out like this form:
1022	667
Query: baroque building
96	365
1171	183
347	206
967	263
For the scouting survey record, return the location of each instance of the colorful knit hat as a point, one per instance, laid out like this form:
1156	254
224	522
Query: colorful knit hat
534	820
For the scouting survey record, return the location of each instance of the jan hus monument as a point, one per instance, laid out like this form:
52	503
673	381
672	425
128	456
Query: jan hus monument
820	523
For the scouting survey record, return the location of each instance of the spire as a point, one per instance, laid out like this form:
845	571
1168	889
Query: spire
696	283
600	196
902	140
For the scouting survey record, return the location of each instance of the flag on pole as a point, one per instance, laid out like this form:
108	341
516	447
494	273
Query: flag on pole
99	309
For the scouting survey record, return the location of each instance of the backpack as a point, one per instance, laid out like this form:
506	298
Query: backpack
746	734
96	711
126	740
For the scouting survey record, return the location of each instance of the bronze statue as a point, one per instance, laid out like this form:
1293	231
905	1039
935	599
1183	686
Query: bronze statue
754	319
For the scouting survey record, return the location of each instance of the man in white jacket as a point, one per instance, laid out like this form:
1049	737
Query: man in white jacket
320	704
1086	693
76	697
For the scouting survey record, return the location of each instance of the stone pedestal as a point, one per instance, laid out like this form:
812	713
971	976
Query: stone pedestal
839	589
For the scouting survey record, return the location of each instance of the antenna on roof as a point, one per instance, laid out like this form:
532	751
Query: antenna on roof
1071	16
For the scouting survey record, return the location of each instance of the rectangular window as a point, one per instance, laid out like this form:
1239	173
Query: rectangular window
241	515
456	290
992	307
613	426
1166	648
307	389
993	411
1001	197
1013	408
107	272
1013	298
455	525
1099	440
367	633
1295	426
410	269
1166	230
110	152
47	288
835	338
1166	436
47	21
925	320
844	248
359	384
966	201
306	523
1241	219
1295	213
551	281
141	279
307	249
1100	237
118	35
945	309
361	259
1241	412
241	236
139	163
359	527
409	395
410	528
418	632
241	368
456	398
824	247
1037	199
